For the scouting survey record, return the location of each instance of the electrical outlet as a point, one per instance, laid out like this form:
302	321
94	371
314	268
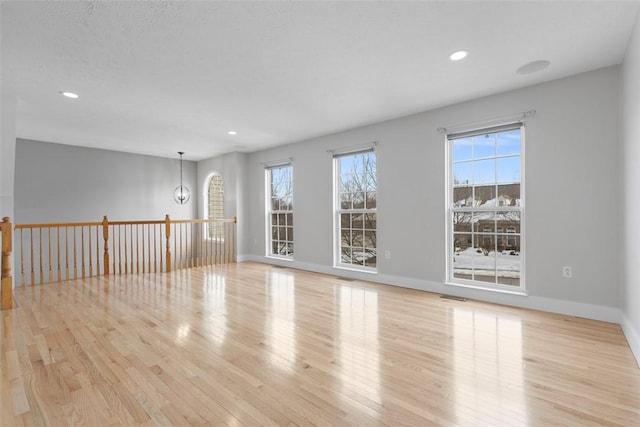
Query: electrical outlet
567	272
387	254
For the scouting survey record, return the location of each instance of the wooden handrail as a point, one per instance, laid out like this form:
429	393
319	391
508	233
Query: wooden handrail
62	251
6	277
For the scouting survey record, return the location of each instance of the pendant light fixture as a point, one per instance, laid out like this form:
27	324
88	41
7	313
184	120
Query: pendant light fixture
181	194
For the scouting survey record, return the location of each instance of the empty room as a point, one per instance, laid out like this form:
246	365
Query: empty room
365	213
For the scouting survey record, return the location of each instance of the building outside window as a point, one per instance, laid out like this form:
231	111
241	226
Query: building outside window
485	197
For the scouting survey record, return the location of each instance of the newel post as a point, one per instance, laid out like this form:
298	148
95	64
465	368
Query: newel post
167	232
7	279
105	236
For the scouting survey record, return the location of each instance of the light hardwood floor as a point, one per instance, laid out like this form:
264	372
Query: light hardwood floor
250	344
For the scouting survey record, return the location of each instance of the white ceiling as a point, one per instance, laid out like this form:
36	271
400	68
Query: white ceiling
160	77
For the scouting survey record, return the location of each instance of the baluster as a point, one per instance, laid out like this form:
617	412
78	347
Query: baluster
40	255
90	253
75	257
82	250
31	251
167	230
137	250
143	251
175	247
155	251
66	253
50	273
105	237
126	270
59	270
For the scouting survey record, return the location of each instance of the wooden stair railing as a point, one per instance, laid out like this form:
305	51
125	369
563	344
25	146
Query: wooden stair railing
6	290
57	252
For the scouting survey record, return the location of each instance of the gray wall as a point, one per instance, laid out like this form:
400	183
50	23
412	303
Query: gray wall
59	183
631	195
233	169
8	108
572	194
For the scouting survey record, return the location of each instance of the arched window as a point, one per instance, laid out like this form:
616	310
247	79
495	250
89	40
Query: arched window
215	206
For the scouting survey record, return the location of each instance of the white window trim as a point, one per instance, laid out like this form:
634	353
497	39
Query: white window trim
520	207
337	254
268	212
205	199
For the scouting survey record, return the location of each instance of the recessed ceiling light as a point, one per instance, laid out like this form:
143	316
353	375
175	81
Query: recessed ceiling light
533	67
232	132
458	55
69	94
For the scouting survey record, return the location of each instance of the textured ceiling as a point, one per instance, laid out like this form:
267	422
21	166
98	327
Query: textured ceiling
159	77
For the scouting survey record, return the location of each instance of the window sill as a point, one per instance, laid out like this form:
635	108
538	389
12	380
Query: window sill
520	292
279	258
359	270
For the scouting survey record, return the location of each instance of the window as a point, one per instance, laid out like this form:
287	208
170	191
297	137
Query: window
485	198
215	206
355	212
280	211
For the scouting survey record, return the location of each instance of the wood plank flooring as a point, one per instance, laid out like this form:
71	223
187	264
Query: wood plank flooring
249	344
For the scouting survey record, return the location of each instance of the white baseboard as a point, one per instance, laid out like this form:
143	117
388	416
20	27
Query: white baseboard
632	335
569	308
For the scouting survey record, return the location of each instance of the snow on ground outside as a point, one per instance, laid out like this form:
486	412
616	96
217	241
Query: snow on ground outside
471	261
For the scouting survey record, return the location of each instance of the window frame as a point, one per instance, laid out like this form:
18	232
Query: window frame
499	235
219	234
338	211
269	211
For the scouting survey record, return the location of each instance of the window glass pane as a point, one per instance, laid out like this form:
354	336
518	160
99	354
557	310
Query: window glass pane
345	255
509	195
289	219
462	149
370	200
482	219
462	197
345	200
358	200
508	170
462	221
370	239
357	221
484	172
461	242
508	142
357	238
484	266
462	174
370	221
484	195
370	258
484	146
345	220
345	237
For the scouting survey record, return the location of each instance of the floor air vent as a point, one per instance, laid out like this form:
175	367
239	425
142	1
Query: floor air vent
453	297
346	279
279	266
